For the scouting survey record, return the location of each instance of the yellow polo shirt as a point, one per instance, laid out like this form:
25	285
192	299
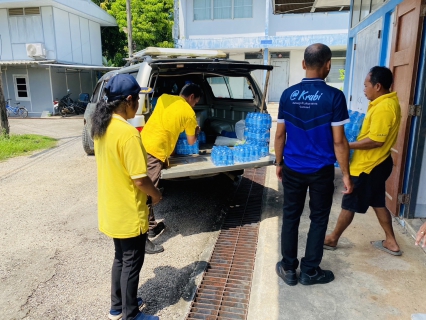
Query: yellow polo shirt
172	115
120	158
381	124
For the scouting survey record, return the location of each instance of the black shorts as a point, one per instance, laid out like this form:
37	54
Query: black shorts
369	189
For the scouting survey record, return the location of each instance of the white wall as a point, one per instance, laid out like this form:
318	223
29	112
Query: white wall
49	32
308	23
6	48
244	27
95	43
78	39
62	35
85	41
76	42
296	71
279	25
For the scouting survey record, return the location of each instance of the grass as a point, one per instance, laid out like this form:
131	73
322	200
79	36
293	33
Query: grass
16	145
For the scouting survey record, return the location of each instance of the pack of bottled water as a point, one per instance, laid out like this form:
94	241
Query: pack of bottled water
250	152
257	127
202	137
353	128
222	156
183	147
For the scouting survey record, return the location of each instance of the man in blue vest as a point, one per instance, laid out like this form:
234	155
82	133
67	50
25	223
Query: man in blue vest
309	138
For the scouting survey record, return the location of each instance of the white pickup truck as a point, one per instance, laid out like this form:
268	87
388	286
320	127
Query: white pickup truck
230	92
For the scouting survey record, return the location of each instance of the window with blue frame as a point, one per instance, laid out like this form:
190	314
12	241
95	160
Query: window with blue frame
222	9
362	8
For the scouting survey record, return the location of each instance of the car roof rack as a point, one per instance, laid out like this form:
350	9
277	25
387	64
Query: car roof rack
177	53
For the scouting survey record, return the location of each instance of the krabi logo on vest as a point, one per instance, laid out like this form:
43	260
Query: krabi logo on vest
305	96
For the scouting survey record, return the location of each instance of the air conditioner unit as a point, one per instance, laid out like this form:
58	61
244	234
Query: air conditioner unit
36	50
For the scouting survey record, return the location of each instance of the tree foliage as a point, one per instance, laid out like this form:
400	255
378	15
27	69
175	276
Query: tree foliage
152	23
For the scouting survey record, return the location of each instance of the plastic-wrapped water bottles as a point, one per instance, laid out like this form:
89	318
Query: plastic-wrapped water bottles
353	128
202	137
222	156
257	127
183	147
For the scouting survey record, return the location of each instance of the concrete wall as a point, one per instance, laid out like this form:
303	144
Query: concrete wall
41	95
38	88
59	82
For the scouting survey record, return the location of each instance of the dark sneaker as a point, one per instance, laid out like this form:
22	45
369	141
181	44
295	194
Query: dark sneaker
320	277
116	314
152	233
289	276
151	248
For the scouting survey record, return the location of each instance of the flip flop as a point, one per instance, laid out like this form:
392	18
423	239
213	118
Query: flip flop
331	248
379	245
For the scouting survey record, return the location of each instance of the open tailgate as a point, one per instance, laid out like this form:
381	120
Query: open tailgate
197	165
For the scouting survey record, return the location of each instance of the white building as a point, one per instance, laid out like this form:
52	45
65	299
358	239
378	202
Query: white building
48	47
260	33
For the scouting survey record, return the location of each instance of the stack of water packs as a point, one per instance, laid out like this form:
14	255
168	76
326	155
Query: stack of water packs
353	128
257	136
183	147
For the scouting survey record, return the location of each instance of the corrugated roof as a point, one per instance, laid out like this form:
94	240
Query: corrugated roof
52	63
306	6
24	62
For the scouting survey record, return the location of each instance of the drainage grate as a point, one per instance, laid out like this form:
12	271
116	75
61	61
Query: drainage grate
224	292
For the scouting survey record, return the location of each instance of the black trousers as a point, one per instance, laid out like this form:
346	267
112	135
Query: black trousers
128	261
321	188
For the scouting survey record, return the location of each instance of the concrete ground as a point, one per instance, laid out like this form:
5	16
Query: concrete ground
55	264
369	284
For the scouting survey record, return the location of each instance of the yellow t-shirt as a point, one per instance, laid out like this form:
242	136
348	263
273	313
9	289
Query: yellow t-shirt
120	157
172	115
381	124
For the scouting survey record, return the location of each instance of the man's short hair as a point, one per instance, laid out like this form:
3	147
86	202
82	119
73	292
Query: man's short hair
317	55
381	75
191	88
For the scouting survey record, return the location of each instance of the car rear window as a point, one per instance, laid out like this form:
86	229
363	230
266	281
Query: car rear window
224	87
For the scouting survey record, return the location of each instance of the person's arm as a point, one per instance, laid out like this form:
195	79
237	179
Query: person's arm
341	150
192	139
146	186
279	144
365	144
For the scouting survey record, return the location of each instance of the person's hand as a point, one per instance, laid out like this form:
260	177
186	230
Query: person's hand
421	235
347	182
157	197
279	171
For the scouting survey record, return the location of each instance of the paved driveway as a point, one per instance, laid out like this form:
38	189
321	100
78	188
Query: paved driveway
56	264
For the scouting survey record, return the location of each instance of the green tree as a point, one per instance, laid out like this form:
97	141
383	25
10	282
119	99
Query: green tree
152	23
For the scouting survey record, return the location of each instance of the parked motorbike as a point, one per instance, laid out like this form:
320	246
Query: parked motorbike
65	105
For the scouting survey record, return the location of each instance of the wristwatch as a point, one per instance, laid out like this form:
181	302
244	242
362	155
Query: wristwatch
278	164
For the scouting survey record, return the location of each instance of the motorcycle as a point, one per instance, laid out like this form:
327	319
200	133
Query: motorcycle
65	105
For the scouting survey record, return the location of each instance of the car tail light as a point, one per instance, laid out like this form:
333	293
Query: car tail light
139	128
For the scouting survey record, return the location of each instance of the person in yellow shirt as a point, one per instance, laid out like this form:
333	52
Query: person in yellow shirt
172	115
372	162
123	186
